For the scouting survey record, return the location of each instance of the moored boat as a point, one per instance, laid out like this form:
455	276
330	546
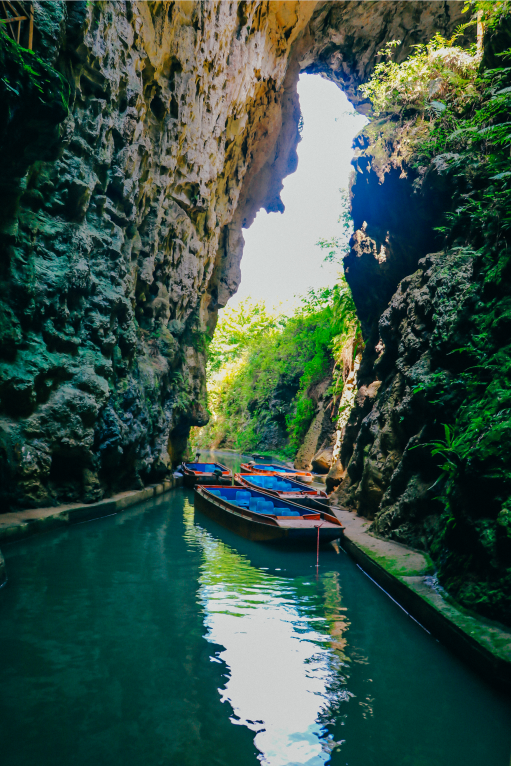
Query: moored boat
205	473
255	516
281	470
285	489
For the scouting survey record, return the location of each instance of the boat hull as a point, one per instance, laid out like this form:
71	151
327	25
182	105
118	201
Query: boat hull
190	480
262	531
306	501
193	477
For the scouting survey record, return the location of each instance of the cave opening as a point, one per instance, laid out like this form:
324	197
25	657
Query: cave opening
286	308
285	245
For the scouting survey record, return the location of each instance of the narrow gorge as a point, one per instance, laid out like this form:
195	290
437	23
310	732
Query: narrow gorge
138	140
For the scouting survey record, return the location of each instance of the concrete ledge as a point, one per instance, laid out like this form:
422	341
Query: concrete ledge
16	526
405	574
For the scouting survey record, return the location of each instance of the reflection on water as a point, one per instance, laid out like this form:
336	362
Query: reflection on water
318	688
153	638
292	631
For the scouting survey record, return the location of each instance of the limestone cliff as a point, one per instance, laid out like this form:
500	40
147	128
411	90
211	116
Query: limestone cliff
123	232
426	449
151	133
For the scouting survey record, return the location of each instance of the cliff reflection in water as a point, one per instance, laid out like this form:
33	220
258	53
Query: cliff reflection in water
284	640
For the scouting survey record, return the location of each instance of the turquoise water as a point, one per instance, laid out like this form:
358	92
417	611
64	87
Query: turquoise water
156	637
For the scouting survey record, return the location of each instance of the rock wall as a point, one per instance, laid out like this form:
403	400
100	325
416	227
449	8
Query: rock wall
426	448
119	249
123	202
319	439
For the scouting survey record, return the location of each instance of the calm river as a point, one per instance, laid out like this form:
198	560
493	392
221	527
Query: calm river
156	638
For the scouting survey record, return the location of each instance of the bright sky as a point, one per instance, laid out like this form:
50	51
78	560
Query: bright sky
280	259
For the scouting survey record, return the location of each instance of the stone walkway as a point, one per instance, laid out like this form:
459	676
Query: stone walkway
407	576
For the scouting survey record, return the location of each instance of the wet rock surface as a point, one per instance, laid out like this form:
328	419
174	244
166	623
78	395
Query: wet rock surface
165	127
118	243
414	378
426	320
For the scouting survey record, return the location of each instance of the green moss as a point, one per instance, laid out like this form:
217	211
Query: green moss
398	566
24	77
466	139
10	332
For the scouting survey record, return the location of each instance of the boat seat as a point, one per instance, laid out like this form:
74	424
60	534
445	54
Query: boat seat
216	492
259	505
243	498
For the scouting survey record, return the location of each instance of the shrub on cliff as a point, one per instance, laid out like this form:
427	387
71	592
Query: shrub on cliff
29	84
33	102
465	138
437	70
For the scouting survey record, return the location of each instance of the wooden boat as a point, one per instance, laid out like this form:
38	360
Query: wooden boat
281	470
285	489
205	473
253	515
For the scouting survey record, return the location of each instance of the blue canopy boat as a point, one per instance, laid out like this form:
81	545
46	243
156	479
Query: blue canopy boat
266	468
205	473
254	515
284	489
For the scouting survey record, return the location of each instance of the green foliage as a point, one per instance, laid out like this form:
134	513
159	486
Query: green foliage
23	75
453	449
239	328
183	400
437	69
340	324
300	422
481	171
466	137
490	12
263	366
338	247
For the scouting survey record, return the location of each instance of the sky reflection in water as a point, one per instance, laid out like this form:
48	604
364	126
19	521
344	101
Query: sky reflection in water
120	639
283	642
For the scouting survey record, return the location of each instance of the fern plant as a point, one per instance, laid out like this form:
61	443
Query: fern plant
432	73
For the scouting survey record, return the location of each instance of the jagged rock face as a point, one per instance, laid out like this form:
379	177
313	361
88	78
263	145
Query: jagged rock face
395	209
393	476
317	447
121	233
126	236
343	39
426	320
425	449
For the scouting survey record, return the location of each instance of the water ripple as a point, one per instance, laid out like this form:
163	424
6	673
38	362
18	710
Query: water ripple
284	647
